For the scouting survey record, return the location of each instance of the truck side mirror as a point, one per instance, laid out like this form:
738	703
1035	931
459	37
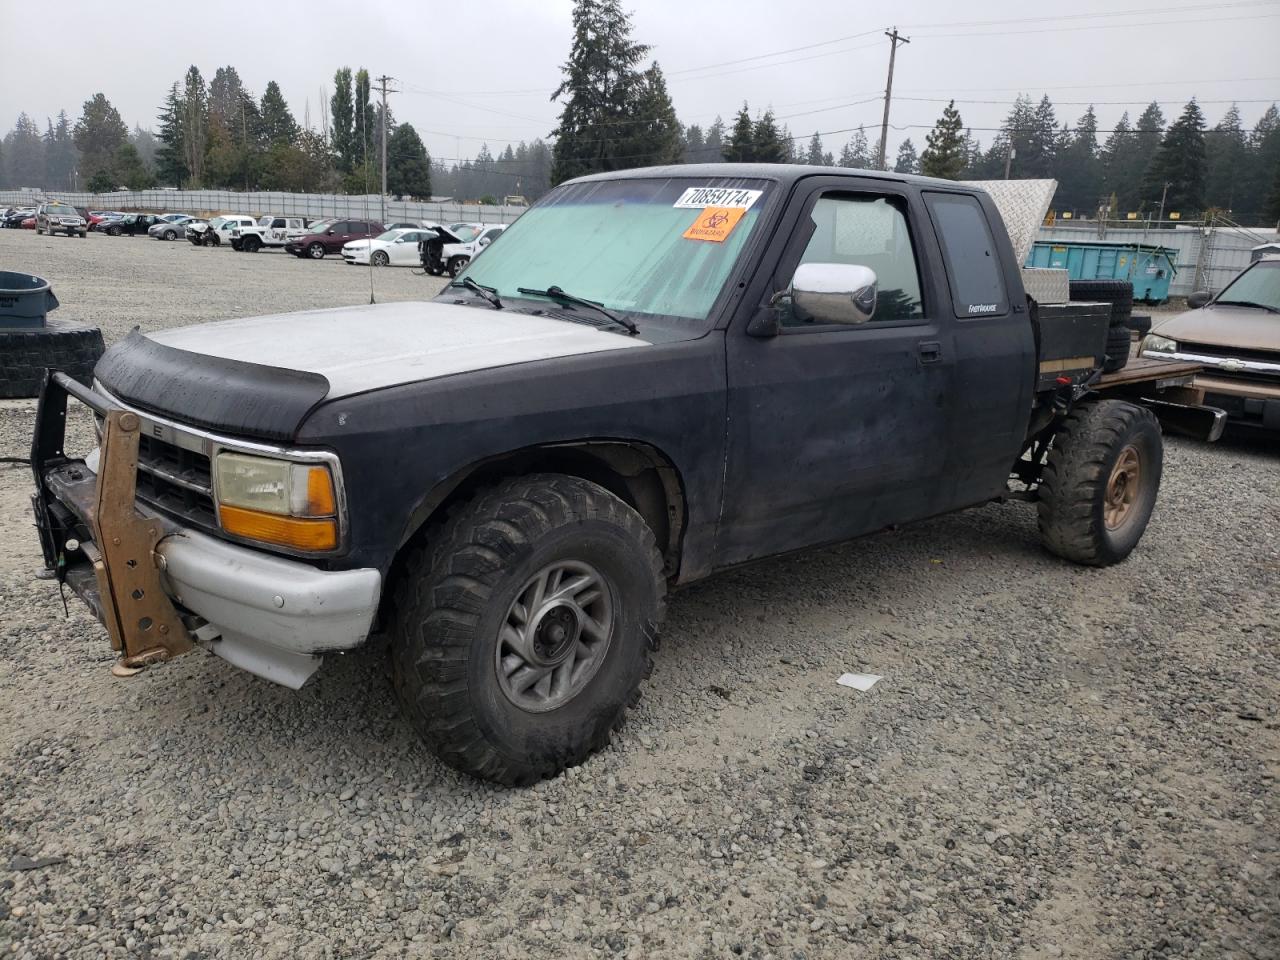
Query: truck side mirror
833	293
1199	299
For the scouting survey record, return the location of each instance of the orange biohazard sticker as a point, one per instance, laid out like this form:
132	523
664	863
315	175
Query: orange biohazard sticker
714	223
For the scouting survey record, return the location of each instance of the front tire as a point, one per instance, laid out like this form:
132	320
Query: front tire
252	244
380	258
316	251
457	265
525	625
1100	482
170	235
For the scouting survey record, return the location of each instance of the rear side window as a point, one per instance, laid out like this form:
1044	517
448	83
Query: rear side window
973	266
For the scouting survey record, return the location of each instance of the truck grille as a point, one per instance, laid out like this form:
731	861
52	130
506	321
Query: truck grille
175	481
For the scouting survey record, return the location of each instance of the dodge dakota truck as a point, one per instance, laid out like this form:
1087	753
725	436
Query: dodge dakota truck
655	375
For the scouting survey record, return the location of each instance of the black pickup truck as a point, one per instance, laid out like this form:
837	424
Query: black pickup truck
651	376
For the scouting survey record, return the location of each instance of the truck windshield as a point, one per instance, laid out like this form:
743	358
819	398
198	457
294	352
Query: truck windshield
660	247
1259	286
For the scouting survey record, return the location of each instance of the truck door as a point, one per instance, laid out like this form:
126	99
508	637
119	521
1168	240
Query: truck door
838	429
995	352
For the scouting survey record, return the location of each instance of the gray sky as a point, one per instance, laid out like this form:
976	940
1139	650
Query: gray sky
485	72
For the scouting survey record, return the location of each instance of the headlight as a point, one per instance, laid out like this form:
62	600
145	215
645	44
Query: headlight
277	501
1152	343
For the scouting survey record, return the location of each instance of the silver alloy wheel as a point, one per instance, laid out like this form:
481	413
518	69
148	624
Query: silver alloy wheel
555	637
316	250
380	258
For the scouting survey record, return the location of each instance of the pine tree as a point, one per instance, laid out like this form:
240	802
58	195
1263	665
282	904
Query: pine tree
654	138
1117	164
768	144
365	120
1179	164
741	146
129	170
195	126
145	142
944	152
907	161
1078	168
813	156
170	167
694	144
61	157
714	150
1261	169
1226	157
600	89
1016	135
408	165
98	134
278	125
1038	159
855	154
342	115
25	154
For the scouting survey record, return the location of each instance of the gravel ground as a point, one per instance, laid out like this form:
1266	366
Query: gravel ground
1059	762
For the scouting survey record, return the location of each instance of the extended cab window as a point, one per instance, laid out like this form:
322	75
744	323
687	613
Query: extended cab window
867	231
973	268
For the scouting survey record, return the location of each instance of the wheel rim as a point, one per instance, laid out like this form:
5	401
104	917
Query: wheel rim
379	259
555	636
1123	488
317	251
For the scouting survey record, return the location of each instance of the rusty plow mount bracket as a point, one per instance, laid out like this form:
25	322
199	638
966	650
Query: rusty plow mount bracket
143	623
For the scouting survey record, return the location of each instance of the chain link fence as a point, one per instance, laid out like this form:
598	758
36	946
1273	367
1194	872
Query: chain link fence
311	205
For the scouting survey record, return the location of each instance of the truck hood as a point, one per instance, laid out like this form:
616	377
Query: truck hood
1241	328
260	377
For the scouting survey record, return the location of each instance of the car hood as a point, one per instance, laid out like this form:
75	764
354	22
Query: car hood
1242	328
357	349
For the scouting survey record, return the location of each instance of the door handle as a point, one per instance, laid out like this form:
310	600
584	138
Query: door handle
930	351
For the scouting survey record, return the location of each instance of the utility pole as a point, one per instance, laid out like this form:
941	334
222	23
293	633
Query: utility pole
382	86
244	143
1008	158
894	40
1163	194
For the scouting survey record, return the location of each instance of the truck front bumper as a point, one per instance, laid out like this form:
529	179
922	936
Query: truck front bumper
160	587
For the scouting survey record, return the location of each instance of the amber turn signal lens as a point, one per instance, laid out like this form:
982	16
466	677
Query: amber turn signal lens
309	535
320	499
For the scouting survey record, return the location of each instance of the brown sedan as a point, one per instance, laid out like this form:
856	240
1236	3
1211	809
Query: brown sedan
1236	335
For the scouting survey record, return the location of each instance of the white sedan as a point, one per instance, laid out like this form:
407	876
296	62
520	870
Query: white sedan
395	248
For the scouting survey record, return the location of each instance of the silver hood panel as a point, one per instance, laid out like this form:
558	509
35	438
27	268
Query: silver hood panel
383	345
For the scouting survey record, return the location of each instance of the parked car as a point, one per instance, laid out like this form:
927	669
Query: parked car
215	232
431	249
14	216
28	223
396	247
170	226
98	217
1236	335
55	217
662	375
456	256
131	224
335	235
272	230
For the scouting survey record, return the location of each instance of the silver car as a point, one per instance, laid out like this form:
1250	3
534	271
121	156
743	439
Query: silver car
170	227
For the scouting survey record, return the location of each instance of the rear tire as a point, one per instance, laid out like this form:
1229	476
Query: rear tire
1100	482
454	666
62	345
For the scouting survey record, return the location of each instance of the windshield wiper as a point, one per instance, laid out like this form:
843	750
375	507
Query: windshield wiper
1245	303
488	293
560	296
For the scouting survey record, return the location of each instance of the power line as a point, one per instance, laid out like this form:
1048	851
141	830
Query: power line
775	53
1098	26
1054	18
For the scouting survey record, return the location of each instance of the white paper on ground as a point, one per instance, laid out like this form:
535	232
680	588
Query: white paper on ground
859	681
